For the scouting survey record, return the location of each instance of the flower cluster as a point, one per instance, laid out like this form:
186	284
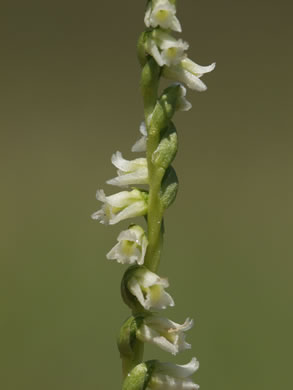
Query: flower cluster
142	289
169	52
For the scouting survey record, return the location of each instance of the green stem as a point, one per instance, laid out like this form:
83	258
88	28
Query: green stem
155	216
128	363
149	83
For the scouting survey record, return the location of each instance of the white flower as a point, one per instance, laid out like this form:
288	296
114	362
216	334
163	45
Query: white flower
131	247
169	376
148	288
189	73
141	144
162	13
129	172
120	206
165	333
165	49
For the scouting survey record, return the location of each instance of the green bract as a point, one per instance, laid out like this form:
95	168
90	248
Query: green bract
127	336
169	188
164	109
139	376
167	148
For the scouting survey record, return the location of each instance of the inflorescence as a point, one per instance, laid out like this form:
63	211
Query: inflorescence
143	290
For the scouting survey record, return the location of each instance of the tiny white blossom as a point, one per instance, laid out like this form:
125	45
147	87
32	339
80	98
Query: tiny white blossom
149	289
141	144
162	13
131	247
189	73
129	172
120	206
165	333
169	376
165	49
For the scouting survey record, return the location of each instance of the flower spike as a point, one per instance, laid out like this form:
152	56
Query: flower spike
160	54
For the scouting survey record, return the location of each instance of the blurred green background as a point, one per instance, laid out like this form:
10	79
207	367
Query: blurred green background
69	99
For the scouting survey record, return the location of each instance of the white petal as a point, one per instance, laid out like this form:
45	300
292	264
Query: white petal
140	145
175	25
127	165
166	382
147	334
196	69
129	235
140	176
182	75
183	104
143	129
178	371
135	289
158	299
99	216
173	55
100	195
144	246
124	198
148	14
153	50
148	278
136	209
163	322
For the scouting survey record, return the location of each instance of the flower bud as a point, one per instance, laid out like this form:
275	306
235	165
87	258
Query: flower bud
143	290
